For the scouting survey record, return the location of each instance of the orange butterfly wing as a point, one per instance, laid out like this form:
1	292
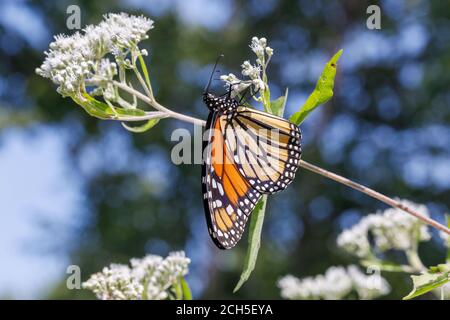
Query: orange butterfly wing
247	154
228	196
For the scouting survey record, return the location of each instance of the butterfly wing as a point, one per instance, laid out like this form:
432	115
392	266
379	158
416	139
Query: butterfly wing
228	196
247	154
267	149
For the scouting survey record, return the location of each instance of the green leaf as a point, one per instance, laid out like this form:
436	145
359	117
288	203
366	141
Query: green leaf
178	290
429	280
91	108
322	92
130	112
145	127
145	71
254	241
187	295
101	110
118	110
278	105
266	100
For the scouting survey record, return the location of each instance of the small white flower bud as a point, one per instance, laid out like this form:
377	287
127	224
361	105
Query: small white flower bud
257	48
250	71
58	78
259	84
263	42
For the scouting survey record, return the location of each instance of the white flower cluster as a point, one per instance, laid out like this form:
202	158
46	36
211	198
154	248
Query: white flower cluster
337	283
73	59
151	277
355	240
115	282
260	48
391	229
160	274
253	72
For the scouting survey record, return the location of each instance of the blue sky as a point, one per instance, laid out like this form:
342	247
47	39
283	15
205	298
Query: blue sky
36	185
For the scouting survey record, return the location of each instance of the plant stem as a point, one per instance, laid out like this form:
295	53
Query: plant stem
308	166
375	262
374	194
414	260
146	75
157	106
145	84
148	115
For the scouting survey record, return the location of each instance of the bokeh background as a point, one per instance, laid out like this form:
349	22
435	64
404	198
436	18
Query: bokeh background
77	190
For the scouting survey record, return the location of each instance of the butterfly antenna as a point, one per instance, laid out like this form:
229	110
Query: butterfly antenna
212	73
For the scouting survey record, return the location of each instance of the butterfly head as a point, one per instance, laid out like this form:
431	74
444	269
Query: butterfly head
210	100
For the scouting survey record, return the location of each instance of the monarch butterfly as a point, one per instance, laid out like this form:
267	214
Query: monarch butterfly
247	153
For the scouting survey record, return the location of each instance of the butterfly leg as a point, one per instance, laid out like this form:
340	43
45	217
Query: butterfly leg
245	93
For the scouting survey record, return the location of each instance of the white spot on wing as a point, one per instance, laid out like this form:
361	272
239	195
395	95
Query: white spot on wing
219	186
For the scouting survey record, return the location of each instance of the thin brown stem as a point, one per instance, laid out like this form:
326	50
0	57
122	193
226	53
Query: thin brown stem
374	194
148	115
153	103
